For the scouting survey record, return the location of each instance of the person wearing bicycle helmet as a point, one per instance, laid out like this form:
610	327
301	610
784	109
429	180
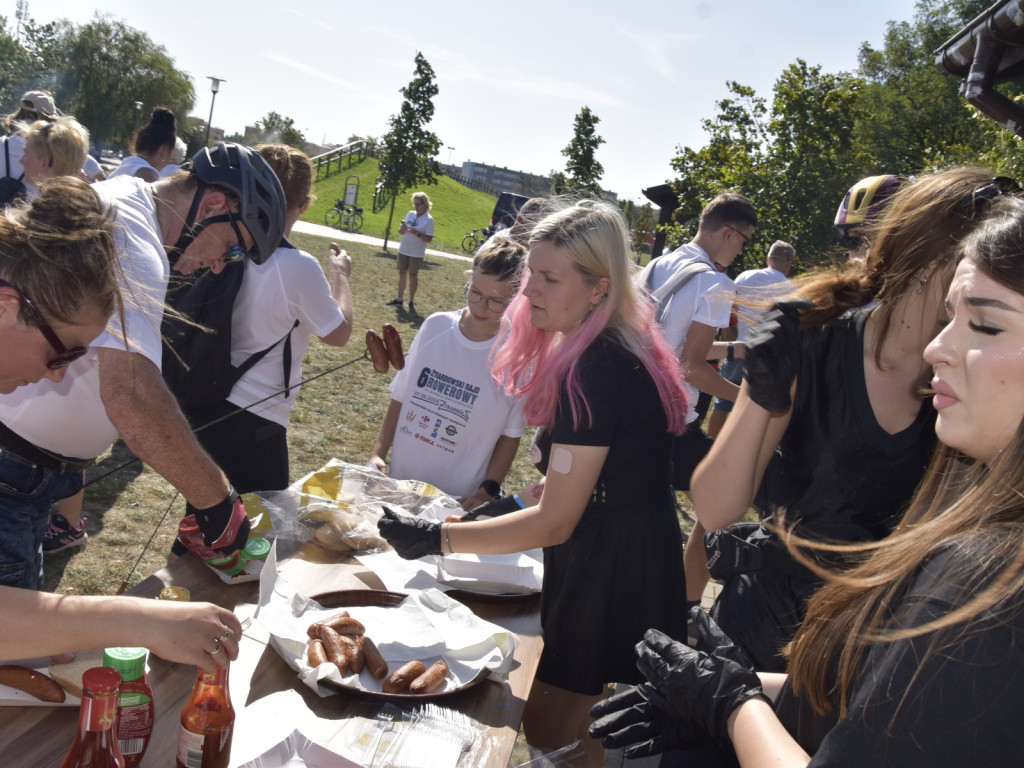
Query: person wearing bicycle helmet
225	206
280	304
861	205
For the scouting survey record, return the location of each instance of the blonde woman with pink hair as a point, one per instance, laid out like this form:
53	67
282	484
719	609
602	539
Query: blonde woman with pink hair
580	346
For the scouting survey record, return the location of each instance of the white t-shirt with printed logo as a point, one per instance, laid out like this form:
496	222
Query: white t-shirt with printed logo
411	245
452	412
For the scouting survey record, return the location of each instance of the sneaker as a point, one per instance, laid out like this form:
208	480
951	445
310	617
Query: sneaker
61	535
412	308
394	303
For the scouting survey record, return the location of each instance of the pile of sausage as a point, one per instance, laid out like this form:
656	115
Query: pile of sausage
342	641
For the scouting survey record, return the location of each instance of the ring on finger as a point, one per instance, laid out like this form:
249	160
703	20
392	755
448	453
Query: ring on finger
216	647
225	636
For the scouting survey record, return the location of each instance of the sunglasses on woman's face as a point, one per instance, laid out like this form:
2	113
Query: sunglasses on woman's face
64	356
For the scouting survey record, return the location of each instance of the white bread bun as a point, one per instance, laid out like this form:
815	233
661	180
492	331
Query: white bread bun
70	675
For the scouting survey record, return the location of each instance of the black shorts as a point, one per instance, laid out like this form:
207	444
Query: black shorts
688	450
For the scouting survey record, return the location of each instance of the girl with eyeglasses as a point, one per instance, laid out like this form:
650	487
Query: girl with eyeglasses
830	423
448	423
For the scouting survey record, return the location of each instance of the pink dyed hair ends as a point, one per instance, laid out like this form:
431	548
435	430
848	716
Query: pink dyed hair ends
533	364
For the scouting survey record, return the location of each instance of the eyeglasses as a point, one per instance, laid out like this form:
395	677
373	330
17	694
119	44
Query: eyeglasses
64	356
745	238
473	296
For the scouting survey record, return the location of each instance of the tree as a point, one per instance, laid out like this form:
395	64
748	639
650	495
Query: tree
406	157
104	67
582	170
277	129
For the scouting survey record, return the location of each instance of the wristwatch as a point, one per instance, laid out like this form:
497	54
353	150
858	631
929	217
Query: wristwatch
492	488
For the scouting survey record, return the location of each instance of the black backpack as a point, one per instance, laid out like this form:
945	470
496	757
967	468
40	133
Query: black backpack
11	189
196	363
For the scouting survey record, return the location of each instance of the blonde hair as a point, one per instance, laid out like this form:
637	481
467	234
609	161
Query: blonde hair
64	140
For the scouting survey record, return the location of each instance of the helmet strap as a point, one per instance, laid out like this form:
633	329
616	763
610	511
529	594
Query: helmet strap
188	232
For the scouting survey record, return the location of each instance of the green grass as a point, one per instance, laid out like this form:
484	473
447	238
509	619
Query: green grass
457	209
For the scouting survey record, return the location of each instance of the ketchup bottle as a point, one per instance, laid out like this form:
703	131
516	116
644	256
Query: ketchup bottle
135	713
207	722
96	743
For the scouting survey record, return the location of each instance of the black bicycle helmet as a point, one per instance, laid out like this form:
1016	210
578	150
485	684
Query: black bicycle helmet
247	176
865	200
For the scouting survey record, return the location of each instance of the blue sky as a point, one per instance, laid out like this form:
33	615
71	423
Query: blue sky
511	75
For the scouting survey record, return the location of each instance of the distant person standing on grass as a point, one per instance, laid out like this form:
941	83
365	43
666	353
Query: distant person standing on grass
417	229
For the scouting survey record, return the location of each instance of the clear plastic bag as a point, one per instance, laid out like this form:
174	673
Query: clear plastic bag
338	506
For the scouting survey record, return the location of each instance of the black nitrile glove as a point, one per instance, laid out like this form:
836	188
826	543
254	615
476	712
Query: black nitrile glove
698	687
628	721
493	508
773	354
412	537
225	525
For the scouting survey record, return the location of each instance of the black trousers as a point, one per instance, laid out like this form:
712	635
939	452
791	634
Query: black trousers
252	451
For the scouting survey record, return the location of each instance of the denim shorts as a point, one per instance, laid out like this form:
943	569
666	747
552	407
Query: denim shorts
730	370
26	493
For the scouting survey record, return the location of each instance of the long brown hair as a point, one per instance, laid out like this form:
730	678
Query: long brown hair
917	233
961	502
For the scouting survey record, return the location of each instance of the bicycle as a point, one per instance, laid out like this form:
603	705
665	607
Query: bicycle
344	216
472	241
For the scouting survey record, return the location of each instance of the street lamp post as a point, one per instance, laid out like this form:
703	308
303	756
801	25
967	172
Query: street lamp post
214	87
138	110
450	149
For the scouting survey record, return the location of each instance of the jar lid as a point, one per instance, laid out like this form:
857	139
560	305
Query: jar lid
180	594
257	547
101	679
129	662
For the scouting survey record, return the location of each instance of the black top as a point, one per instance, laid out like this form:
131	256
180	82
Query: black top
836	470
911	706
621	572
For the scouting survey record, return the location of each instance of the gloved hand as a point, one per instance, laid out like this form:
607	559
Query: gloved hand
629	721
698	687
225	525
493	508
773	354
412	537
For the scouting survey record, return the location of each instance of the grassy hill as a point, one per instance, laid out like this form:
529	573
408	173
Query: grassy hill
456	209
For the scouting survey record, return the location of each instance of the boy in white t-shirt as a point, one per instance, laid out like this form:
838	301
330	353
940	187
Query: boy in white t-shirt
448	423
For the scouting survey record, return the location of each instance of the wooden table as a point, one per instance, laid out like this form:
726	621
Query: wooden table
269	700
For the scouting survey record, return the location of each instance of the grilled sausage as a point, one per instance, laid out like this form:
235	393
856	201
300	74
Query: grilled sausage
393	345
374	660
337	652
314	629
401	678
345	625
315	653
357	662
378	352
430	680
30	681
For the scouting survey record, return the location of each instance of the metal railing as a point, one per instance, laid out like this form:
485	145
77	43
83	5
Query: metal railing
342	158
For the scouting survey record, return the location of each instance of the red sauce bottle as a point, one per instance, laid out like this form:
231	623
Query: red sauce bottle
135	711
207	723
96	743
